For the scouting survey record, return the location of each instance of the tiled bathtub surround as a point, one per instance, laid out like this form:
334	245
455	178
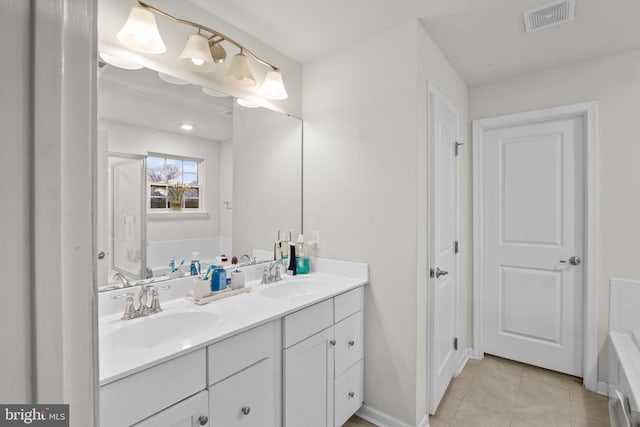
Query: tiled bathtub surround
624	313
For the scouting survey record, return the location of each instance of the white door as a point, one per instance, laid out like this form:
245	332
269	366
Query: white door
443	236
533	221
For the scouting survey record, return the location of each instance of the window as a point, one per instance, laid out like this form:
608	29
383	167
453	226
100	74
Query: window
171	177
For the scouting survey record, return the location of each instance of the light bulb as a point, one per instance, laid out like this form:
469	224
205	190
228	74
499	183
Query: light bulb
197	61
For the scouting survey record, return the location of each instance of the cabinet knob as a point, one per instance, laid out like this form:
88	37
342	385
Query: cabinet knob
352	343
203	420
332	342
246	410
351	395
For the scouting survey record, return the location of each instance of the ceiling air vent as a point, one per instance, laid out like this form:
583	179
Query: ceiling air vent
550	14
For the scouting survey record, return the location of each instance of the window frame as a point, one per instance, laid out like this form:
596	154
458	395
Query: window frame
200	186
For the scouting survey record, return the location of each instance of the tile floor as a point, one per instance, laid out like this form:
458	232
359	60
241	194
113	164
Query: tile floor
497	392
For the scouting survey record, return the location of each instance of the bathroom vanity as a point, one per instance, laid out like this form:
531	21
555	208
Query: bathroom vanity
285	354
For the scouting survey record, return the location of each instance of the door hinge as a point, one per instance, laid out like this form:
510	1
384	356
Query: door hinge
458	144
455	247
455	343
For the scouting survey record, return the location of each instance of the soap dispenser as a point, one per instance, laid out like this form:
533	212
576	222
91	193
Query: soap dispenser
302	262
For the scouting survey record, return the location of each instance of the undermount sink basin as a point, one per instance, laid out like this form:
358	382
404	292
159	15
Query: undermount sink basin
150	332
292	288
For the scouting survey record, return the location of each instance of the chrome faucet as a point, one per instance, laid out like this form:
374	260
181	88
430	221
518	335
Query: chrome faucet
252	260
268	276
123	279
143	308
130	312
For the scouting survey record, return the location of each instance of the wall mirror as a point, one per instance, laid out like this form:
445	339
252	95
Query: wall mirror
183	169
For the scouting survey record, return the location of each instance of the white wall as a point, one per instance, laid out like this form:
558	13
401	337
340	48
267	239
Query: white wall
125	138
614	81
15	216
365	191
226	188
267	180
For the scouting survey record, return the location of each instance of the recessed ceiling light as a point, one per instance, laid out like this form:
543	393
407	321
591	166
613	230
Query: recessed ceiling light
119	62
213	92
186	126
173	80
247	104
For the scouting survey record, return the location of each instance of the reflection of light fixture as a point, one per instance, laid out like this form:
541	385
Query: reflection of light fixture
273	87
213	92
247	104
186	126
140	33
119	62
173	79
196	54
239	72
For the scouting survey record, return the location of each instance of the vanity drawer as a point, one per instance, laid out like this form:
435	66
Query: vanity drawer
348	394
232	355
348	348
245	399
348	303
307	322
193	411
131	399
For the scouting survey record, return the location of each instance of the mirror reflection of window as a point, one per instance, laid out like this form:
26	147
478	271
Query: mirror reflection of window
166	175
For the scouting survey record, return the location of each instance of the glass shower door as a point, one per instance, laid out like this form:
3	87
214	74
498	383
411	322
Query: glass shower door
128	236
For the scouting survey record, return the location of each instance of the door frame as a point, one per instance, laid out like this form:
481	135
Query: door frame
432	91
589	112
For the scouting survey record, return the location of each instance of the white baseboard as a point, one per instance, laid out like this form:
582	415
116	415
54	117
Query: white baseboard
383	420
603	388
464	358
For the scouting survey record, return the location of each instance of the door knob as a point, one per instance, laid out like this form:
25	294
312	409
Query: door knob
246	410
437	272
203	420
332	342
101	255
574	260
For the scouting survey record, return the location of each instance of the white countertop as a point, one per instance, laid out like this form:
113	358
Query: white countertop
234	315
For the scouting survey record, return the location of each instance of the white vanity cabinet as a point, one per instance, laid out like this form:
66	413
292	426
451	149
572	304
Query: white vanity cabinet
132	399
322	361
244	379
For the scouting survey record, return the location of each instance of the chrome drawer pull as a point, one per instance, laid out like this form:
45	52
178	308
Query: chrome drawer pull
246	410
352	343
351	395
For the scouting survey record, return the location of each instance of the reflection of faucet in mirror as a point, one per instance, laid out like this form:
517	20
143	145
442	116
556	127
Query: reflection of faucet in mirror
250	259
123	279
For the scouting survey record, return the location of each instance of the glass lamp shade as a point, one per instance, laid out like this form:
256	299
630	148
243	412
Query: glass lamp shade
239	72
140	32
196	55
273	87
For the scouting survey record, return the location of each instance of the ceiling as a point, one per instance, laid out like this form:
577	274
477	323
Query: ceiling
141	98
484	39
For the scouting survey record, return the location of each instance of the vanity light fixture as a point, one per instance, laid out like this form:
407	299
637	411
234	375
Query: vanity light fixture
186	126
202	51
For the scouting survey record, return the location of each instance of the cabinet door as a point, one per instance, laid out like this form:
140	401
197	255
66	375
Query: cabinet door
191	412
348	335
308	382
246	399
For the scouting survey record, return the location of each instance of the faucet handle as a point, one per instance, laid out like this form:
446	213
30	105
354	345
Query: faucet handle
265	277
129	310
155	301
